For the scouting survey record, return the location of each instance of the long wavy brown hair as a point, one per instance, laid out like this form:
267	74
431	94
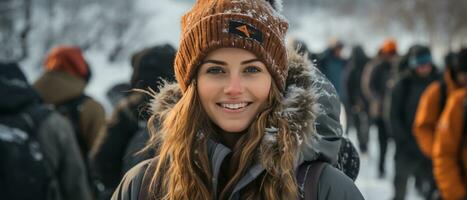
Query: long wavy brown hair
183	170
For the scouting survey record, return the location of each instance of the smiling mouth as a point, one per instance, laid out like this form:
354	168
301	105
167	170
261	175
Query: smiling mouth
234	106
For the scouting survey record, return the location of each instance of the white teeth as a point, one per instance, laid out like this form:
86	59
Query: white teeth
234	106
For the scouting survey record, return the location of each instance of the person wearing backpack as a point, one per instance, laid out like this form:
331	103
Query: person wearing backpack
450	143
39	155
126	131
409	160
66	75
239	120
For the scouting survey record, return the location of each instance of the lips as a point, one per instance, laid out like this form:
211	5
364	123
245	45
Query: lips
234	106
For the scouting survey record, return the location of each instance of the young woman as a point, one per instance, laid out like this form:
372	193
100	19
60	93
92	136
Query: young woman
237	124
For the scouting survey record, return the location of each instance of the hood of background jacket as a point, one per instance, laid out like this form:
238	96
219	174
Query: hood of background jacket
311	106
58	86
150	65
15	91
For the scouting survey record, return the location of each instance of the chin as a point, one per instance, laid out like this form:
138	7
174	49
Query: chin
233	128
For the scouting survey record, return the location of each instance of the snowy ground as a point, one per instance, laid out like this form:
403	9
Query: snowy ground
367	181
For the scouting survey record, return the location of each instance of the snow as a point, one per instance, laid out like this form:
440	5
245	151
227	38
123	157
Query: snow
368	182
10	134
105	75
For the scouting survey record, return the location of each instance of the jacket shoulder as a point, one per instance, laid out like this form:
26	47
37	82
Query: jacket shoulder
93	104
433	88
333	184
129	187
92	110
458	96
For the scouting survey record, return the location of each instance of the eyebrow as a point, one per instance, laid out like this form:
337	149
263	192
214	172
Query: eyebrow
250	61
218	62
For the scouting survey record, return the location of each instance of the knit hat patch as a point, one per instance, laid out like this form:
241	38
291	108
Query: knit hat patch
245	30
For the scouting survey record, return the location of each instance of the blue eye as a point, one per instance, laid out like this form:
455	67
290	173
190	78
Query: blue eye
214	70
252	69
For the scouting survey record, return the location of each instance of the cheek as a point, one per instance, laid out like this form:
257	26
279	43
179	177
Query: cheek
208	91
262	89
263	93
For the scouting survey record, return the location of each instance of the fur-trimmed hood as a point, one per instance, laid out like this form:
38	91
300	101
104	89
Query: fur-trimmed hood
311	106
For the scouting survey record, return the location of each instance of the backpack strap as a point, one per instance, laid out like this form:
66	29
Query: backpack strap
71	109
308	179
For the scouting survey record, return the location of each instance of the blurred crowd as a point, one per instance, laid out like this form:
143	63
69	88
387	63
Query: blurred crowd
422	108
51	131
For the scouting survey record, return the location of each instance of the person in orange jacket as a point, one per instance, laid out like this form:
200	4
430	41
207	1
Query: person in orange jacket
450	144
431	105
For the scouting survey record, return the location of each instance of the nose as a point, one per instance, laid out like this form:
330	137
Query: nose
234	86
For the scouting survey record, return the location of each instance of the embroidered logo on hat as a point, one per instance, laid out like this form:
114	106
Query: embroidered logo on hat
245	30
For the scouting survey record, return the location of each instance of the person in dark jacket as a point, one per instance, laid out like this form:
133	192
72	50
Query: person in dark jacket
331	63
235	124
357	105
126	131
54	134
376	84
409	160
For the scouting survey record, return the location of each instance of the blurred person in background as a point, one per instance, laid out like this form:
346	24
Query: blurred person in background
126	133
375	84
357	105
66	75
430	107
39	155
331	63
450	143
409	160
432	103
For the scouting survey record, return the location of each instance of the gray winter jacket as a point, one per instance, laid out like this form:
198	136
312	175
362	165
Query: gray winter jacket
62	154
312	110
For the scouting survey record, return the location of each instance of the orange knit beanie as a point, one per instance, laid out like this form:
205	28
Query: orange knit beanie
389	46
253	25
69	59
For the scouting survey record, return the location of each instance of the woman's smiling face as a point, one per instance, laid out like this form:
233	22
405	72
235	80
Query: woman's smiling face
233	85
